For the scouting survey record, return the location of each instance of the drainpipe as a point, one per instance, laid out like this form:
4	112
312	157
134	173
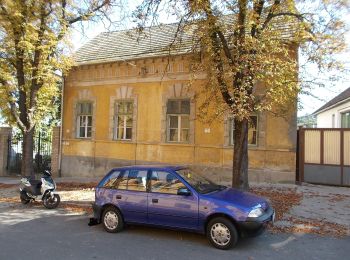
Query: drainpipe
61	130
136	129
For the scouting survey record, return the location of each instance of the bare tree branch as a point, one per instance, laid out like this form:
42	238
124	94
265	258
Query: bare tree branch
91	10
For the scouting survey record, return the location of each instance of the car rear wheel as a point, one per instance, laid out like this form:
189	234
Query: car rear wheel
112	220
222	233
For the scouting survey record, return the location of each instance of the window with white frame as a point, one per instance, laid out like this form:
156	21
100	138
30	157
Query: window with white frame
345	120
252	130
84	120
178	120
123	120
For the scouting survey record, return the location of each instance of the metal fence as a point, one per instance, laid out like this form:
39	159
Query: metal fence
324	155
41	152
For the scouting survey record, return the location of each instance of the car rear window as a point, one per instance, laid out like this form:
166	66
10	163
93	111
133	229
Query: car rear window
111	181
134	180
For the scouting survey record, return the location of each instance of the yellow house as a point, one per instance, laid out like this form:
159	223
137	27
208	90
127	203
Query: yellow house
128	102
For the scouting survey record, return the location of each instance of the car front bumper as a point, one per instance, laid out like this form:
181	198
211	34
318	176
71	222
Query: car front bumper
255	226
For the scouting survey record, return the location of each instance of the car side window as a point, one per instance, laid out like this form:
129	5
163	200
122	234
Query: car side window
165	182
137	180
112	180
122	182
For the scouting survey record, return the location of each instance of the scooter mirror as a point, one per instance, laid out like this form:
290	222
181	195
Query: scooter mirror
46	172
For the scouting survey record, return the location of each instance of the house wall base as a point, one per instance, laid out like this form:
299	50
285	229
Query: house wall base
83	166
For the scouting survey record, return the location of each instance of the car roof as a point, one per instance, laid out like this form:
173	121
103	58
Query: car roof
151	167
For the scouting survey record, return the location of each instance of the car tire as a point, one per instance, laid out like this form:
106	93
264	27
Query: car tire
222	233
112	220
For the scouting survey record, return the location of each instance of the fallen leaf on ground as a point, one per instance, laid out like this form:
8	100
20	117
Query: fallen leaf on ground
10	200
311	226
7	186
68	186
71	207
282	200
339	197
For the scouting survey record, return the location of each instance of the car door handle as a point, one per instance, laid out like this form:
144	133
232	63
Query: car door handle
118	197
154	200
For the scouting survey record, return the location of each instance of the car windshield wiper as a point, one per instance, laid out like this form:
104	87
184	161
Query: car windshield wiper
222	187
211	188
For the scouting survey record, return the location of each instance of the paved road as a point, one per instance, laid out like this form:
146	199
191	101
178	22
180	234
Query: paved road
36	233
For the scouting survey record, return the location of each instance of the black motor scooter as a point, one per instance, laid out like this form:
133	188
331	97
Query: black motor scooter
45	188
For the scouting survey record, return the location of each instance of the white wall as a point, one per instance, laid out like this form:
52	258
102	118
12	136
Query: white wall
324	119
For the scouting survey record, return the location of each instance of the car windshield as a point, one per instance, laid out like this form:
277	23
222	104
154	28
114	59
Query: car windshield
198	182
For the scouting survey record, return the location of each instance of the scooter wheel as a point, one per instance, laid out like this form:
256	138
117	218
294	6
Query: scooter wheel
51	202
24	198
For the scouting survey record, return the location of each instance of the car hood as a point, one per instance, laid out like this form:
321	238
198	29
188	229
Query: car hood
244	200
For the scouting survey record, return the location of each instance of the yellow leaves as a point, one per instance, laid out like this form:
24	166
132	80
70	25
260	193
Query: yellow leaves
36	46
266	59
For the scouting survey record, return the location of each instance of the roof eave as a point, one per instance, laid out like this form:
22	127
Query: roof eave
332	106
96	62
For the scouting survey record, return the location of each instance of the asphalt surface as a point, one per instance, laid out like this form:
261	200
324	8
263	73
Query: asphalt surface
36	233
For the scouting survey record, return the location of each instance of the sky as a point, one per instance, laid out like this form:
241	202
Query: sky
307	103
330	89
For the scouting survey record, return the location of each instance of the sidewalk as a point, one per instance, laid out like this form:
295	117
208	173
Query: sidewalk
322	209
16	180
10	180
324	203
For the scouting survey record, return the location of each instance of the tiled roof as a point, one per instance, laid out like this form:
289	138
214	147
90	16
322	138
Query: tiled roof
128	45
155	42
341	97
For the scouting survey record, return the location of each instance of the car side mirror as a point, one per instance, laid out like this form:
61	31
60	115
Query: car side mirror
183	192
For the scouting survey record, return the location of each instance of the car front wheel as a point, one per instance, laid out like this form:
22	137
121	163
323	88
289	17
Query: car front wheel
222	233
112	220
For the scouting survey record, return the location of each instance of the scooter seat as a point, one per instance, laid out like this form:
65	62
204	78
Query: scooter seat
35	182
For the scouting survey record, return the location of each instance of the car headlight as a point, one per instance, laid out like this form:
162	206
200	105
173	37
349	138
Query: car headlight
255	213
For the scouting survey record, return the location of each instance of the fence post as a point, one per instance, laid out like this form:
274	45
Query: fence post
342	157
55	150
297	172
5	134
300	155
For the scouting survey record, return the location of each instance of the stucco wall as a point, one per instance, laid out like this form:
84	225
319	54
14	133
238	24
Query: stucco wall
273	157
5	133
324	119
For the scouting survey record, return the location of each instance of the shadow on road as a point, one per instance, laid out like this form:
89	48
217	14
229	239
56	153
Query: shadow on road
170	235
53	234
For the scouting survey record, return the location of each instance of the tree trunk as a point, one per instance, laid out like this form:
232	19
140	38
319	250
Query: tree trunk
240	155
27	168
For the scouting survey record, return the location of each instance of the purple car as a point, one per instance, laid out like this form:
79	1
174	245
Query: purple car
177	198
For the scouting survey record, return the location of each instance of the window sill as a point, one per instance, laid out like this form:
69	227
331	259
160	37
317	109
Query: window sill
250	147
177	144
123	141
